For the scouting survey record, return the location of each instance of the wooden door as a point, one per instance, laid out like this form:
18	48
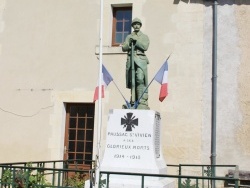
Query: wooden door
79	131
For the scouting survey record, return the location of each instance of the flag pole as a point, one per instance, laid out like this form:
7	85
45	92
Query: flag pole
99	125
127	103
137	102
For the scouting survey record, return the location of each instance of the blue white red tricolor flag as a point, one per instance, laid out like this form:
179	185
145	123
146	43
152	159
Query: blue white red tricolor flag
106	79
162	78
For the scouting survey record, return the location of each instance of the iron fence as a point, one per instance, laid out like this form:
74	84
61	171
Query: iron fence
41	174
204	171
69	173
176	178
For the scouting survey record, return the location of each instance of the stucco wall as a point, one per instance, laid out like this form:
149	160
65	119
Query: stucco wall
243	131
45	47
232	88
48	56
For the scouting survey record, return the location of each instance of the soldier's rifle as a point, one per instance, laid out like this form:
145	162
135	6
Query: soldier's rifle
133	73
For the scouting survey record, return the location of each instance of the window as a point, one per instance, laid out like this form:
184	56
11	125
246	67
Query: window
122	17
79	133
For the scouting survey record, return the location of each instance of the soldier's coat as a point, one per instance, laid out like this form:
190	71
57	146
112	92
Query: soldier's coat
140	59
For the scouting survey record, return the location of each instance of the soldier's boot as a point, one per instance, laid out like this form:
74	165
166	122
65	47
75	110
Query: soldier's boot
140	87
143	103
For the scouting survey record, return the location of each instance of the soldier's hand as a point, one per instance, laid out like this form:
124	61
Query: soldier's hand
131	40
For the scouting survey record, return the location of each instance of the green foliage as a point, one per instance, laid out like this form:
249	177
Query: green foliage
187	184
21	178
77	180
6	178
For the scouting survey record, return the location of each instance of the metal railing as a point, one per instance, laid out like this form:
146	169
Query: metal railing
41	174
175	178
203	171
69	173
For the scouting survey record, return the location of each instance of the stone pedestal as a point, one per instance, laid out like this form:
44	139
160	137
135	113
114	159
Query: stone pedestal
133	145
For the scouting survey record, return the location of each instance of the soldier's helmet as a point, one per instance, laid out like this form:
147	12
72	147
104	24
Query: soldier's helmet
136	20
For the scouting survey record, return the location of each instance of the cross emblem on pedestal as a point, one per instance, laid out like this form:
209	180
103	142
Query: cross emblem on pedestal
129	122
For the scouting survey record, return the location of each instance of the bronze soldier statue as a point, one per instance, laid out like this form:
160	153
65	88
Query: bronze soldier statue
136	67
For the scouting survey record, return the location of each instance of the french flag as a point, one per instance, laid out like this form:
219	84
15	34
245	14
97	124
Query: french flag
162	78
106	79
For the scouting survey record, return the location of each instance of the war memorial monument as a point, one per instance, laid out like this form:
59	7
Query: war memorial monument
133	137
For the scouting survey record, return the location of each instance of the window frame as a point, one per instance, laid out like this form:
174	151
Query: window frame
115	9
